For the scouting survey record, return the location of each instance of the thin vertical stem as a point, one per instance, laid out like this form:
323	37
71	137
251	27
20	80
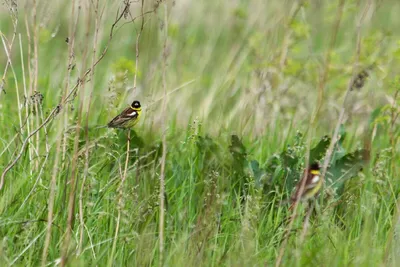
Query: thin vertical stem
86	167
120	202
164	140
14	17
30	122
137	46
26	98
35	78
52	194
72	192
7	49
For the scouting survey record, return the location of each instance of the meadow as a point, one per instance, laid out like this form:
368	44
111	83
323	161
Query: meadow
238	98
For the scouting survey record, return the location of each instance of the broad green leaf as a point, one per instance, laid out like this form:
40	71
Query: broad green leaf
257	172
318	152
345	168
289	158
339	150
239	154
237	148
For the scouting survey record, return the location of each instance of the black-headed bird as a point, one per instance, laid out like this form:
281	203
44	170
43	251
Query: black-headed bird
127	118
362	77
310	187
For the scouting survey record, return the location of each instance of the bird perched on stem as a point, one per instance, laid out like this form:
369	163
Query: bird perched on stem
127	118
309	186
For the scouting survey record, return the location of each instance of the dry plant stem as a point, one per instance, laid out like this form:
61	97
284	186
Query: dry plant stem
65	100
35	47
137	45
45	133
164	140
86	167
53	181
74	181
288	32
393	141
71	198
80	114
394	114
35	77
30	121
31	77
37	136
72	192
71	47
321	87
120	201
15	24
8	51
26	98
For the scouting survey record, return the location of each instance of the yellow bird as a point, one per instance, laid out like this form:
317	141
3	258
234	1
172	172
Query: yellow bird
127	118
312	185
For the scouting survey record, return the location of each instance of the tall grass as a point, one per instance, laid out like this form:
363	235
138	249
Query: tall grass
237	96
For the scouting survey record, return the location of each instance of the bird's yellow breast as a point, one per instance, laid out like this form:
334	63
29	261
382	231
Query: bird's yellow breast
315	172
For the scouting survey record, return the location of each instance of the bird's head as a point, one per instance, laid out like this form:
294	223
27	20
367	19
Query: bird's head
136	104
314	168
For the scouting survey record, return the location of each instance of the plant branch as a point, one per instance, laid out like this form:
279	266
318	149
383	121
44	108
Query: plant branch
164	141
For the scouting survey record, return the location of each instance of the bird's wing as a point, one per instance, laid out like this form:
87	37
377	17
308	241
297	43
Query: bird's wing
126	115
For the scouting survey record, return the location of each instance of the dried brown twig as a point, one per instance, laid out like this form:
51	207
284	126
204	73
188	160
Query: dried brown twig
71	199
98	17
164	142
13	8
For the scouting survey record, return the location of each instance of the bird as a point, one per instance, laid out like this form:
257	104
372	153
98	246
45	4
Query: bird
310	187
360	80
128	118
362	77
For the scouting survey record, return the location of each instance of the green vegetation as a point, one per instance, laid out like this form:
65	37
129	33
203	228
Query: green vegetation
239	95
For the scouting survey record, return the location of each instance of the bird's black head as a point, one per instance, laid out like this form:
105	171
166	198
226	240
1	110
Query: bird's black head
136	104
314	166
